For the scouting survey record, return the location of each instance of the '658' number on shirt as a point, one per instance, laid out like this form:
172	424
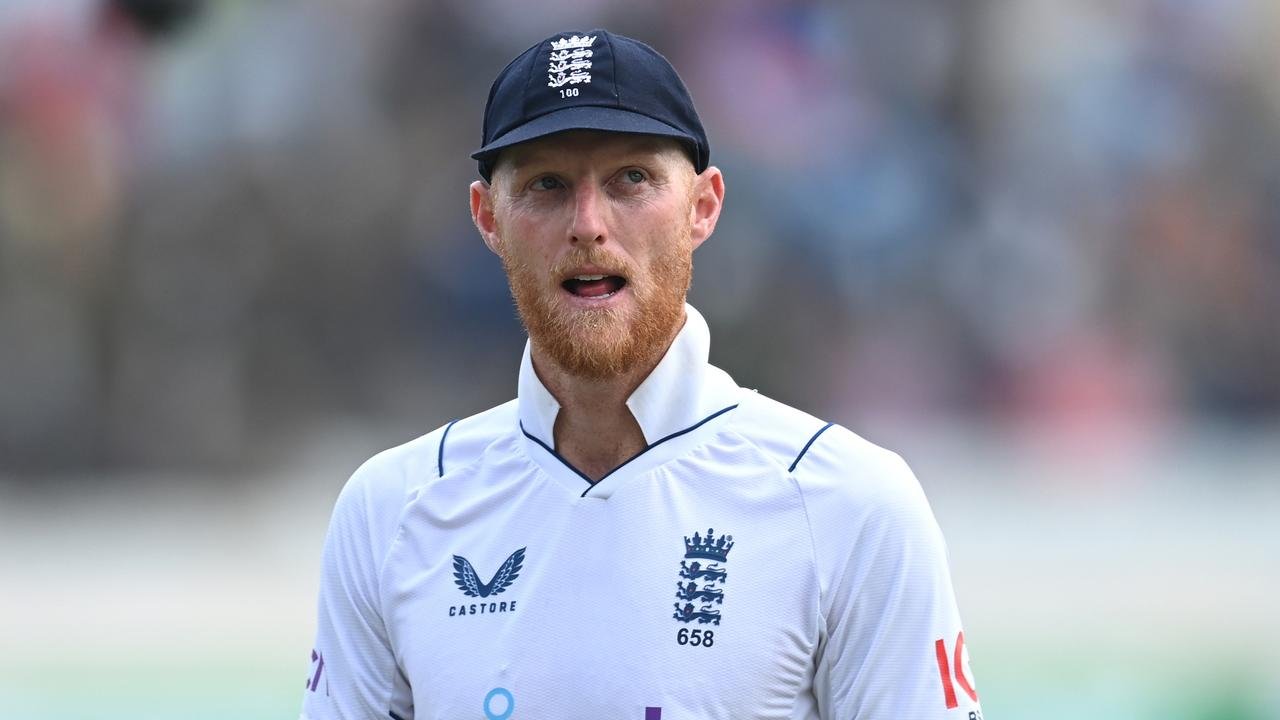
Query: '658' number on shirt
704	638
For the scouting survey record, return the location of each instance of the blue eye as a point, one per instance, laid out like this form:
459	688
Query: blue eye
547	182
635	176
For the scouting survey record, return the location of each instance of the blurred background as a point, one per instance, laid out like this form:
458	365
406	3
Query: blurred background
1033	246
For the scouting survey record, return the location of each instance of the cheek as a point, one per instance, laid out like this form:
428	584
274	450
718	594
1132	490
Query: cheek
667	236
525	239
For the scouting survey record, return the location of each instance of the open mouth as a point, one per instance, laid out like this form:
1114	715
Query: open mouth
594	286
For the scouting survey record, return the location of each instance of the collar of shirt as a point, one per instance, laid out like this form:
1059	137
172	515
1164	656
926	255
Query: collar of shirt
683	390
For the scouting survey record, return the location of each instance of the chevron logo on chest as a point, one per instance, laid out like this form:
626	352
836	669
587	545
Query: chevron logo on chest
469	582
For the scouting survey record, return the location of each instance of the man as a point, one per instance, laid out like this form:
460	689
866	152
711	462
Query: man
635	536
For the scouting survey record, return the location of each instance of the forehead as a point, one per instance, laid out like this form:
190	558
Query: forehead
589	146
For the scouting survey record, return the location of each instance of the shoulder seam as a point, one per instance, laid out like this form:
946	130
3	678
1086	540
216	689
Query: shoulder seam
382	602
807	445
813	543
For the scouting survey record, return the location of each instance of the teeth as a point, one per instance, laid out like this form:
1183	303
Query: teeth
588	278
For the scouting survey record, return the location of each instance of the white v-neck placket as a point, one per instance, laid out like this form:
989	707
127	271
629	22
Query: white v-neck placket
682	394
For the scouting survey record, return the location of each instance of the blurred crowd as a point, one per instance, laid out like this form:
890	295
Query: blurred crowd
223	222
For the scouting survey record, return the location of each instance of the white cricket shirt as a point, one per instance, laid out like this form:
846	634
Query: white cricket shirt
752	562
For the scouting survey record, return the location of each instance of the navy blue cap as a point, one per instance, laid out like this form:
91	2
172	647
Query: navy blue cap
589	81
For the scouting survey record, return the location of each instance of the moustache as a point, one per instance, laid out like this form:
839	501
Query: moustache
596	257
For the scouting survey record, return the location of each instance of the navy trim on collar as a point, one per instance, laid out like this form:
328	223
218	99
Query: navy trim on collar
556	455
591	483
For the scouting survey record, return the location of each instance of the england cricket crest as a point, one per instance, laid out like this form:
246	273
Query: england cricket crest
570	61
699	592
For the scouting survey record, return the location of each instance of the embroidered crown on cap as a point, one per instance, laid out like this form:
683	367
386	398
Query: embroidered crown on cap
708	548
576	41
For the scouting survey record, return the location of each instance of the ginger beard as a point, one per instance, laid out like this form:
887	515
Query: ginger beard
602	343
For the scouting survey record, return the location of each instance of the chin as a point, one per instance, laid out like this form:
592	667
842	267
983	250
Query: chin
593	343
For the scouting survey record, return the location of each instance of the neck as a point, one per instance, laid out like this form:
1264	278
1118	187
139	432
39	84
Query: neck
594	429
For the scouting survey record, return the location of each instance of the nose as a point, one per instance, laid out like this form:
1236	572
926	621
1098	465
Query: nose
588	215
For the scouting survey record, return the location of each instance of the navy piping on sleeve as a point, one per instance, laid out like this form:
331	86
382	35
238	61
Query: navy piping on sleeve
807	445
440	455
654	444
391	712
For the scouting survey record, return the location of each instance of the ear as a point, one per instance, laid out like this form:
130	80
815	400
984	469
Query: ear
708	198
482	214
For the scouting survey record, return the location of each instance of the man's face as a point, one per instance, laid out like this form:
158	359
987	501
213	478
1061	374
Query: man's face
596	232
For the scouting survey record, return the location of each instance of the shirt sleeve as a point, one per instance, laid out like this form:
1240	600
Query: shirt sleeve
353	673
891	642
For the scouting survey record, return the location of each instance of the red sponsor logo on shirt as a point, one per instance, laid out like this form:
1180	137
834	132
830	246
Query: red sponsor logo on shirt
945	670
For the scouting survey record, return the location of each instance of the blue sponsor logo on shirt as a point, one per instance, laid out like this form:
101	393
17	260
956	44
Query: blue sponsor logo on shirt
465	577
